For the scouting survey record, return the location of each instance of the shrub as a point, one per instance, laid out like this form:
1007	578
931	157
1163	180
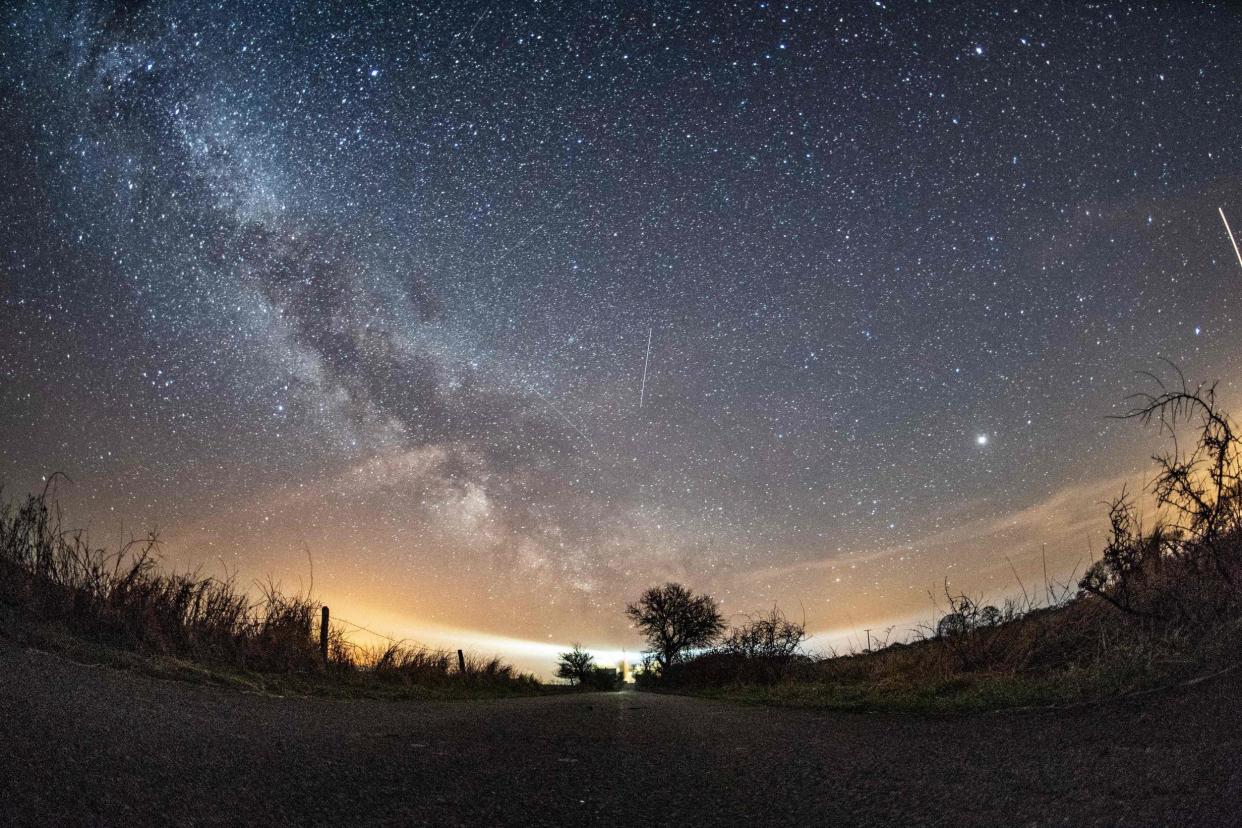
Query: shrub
1159	603
602	678
1184	572
771	636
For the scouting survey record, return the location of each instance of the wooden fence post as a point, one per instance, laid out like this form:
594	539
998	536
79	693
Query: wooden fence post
323	635
461	662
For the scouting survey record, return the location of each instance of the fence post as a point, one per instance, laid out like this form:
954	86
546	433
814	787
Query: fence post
461	662
323	635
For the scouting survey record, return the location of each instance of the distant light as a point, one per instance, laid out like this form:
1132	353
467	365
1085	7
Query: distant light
978	50
982	439
1196	331
375	73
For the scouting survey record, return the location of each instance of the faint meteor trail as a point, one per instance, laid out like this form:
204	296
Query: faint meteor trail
647	361
563	415
1232	241
504	254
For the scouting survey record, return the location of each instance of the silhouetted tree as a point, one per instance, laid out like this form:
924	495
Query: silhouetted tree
1201	490
673	619
575	665
768	636
1131	556
1202	487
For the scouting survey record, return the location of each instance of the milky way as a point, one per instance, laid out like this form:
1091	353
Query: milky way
374	283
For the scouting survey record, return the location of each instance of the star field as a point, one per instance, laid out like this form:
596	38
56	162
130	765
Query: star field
376	281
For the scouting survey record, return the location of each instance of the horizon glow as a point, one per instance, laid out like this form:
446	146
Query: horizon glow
484	321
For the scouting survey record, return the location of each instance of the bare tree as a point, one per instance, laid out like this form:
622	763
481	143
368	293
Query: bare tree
1201	487
575	665
1200	492
768	636
673	619
1130	554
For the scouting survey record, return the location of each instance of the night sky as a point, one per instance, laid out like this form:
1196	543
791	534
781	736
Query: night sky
372	285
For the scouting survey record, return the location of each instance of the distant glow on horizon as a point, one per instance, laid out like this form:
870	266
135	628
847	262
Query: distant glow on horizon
488	322
540	657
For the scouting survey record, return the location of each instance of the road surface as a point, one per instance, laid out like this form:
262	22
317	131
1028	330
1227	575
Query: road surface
86	745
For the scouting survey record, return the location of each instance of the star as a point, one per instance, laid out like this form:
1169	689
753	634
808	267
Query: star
404	268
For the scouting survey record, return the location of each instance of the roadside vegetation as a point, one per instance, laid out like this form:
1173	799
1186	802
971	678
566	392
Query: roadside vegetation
1162	604
120	606
578	667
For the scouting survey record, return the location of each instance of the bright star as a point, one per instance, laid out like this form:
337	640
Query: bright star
981	439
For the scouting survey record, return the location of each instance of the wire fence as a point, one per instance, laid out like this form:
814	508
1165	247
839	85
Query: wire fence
396	642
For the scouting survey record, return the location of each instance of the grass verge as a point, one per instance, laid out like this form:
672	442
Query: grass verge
120	607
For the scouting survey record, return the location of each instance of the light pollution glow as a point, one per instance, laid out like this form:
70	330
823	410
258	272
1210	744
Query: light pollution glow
500	319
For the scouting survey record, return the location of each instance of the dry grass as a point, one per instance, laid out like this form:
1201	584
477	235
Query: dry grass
122	598
1159	605
1080	648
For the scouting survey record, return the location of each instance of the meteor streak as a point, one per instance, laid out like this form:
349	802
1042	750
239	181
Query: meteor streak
1232	241
643	391
562	415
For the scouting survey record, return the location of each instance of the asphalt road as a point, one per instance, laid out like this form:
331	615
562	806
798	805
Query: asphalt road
91	745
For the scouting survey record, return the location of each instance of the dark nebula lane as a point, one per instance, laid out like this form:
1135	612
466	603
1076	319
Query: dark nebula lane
506	311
